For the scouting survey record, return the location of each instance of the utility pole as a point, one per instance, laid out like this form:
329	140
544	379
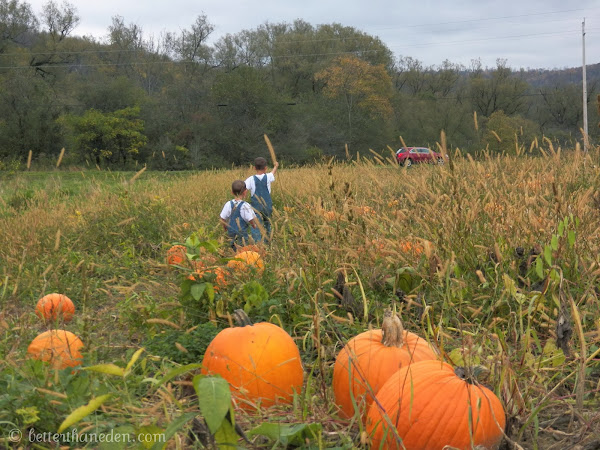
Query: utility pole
585	118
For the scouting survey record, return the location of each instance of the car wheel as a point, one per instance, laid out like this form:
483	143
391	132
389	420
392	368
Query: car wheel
440	160
408	162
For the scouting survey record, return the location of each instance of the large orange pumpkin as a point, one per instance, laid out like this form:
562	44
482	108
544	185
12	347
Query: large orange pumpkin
55	306
246	260
369	359
58	347
261	362
428	406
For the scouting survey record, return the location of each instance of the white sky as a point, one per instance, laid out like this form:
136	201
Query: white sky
526	33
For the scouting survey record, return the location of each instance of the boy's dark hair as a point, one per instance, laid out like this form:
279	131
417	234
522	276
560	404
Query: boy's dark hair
260	163
237	187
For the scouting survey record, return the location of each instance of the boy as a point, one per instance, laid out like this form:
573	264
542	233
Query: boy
236	215
260	191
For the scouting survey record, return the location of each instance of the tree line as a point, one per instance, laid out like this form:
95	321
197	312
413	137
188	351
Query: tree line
177	102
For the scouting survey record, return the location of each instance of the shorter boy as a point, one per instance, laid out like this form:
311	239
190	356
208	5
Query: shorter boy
260	191
237	215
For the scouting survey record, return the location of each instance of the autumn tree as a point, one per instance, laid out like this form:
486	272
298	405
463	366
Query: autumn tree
360	86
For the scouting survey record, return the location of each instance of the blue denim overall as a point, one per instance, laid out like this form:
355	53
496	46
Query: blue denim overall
263	206
237	228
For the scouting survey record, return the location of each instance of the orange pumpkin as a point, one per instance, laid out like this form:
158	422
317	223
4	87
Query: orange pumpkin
430	407
55	306
58	347
246	260
369	359
252	248
261	362
176	255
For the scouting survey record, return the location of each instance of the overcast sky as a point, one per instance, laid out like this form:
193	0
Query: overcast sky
526	33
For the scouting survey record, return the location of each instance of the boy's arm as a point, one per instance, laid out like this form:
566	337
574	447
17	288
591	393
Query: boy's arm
275	166
253	223
223	222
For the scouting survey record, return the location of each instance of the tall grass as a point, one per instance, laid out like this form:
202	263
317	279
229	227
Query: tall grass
455	247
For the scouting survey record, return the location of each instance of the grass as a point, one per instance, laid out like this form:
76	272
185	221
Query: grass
487	253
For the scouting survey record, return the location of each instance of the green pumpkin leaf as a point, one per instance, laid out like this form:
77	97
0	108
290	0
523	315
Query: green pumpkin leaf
548	255
83	411
214	398
210	292
197	290
226	436
554	242
571	238
539	267
178	371
288	434
149	435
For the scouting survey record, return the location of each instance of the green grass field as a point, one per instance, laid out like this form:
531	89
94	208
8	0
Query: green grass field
481	258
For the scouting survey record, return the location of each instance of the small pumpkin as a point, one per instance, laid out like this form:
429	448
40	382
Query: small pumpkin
52	307
261	362
60	348
370	358
246	260
428	405
252	248
176	255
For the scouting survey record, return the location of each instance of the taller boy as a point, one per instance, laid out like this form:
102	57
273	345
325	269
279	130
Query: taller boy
259	186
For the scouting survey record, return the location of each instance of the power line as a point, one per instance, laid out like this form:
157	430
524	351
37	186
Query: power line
516	36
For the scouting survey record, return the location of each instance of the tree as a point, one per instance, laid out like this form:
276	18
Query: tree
112	137
502	133
246	107
60	21
360	85
498	90
16	22
190	45
27	116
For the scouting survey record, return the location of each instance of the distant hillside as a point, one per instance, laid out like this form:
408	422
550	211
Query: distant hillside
544	77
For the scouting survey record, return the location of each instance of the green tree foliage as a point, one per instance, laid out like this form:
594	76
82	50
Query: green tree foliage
106	137
499	90
28	111
17	21
359	86
247	106
504	134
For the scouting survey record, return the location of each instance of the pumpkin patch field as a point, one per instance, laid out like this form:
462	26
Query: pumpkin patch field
428	307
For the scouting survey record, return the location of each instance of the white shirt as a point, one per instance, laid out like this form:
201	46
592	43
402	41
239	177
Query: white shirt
252	187
246	212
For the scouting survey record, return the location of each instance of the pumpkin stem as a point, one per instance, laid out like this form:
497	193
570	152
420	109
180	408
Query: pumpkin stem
471	374
241	318
392	330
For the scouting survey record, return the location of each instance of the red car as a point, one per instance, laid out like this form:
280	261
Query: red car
407	156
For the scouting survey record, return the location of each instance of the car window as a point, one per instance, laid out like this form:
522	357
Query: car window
424	150
412	150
